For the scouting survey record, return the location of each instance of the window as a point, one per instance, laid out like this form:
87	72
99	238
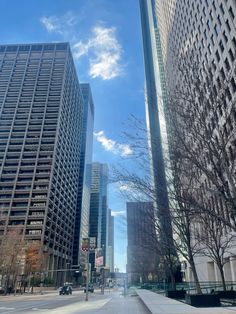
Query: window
221	8
232	57
221	46
35	232
225	37
216	29
233	85
217	55
227	65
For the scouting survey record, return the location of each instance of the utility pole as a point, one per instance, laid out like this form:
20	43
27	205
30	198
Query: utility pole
88	245
87	277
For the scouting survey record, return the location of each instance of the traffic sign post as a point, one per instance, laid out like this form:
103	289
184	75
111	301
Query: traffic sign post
88	244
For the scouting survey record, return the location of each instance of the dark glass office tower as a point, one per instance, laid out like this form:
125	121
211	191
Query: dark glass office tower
83	206
41	111
98	221
154	114
142	256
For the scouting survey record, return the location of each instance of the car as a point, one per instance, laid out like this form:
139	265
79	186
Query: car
90	289
65	290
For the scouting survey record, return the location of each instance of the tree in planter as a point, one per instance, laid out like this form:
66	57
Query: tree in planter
186	209
203	120
216	242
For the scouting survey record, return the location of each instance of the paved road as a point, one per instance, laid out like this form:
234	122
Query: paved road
52	303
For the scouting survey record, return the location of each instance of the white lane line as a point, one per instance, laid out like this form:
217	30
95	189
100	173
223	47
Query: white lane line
7	308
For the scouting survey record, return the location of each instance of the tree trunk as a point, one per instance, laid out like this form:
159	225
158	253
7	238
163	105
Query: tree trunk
172	277
195	275
220	267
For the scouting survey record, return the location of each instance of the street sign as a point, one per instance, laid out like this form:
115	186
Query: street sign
85	245
99	260
88	244
92	244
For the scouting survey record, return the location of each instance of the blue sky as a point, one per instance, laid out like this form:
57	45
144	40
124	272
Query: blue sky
105	36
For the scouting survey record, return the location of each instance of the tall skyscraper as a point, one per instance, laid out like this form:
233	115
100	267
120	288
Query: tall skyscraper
203	33
83	206
98	220
142	261
41	111
154	115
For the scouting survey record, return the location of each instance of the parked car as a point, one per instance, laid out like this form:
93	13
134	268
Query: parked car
65	290
90	289
2	290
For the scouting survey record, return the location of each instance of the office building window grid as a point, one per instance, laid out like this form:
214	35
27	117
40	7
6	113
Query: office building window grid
40	130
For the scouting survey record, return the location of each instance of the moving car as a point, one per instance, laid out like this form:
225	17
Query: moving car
65	290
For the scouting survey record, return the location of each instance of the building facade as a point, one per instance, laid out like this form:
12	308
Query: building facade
98	220
83	206
41	111
142	261
155	116
202	34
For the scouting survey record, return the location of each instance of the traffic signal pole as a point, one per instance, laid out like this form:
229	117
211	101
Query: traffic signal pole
87	277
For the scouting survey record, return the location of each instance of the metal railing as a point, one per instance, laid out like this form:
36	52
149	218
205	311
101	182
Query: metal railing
190	287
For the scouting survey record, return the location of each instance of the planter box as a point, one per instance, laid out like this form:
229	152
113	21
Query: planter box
203	300
176	294
230	294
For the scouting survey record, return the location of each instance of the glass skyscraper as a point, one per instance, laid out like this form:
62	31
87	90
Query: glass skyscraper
83	206
41	112
98	221
155	106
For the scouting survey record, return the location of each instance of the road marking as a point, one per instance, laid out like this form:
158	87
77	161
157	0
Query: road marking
6	308
38	309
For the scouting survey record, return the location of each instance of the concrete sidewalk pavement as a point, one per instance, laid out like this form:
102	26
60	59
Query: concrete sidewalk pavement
158	304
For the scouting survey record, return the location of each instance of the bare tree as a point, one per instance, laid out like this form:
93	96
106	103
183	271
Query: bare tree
203	135
216	241
12	251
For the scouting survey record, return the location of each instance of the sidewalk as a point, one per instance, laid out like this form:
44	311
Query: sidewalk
158	304
121	305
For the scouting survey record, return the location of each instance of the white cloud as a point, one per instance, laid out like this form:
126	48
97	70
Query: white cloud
112	146
49	23
121	213
104	53
61	25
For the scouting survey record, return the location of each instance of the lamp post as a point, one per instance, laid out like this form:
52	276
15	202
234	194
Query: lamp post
66	272
87	277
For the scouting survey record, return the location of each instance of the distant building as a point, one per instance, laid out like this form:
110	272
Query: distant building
110	247
83	205
142	240
41	111
98	220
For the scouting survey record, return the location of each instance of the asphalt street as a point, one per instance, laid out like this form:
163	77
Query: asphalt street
52	303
